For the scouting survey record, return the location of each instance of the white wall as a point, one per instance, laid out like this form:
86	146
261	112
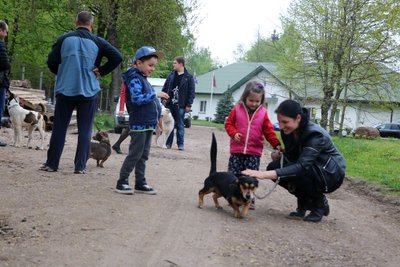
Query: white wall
356	114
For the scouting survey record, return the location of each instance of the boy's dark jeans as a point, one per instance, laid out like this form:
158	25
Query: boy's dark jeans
139	150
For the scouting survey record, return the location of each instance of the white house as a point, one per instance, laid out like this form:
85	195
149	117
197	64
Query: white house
235	76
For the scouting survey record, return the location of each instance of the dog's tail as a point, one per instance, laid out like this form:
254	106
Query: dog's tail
213	155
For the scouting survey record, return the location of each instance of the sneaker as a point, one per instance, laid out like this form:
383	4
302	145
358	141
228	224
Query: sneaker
180	147
2	144
168	146
80	172
117	149
145	189
124	189
46	168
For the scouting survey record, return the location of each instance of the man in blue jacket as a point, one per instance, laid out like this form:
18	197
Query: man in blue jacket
180	88
76	60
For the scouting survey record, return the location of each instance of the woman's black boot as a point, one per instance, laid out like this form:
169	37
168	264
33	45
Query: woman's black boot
301	209
321	208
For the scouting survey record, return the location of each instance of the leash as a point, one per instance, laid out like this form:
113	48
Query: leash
276	182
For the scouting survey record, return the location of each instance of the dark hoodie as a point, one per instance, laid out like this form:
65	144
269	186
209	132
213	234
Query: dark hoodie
141	101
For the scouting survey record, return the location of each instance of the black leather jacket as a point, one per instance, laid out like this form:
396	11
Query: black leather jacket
314	152
4	65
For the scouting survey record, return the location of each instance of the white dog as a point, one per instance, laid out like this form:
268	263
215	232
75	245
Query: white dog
21	117
165	126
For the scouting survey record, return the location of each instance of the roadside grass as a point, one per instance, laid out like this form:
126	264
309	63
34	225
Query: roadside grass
375	161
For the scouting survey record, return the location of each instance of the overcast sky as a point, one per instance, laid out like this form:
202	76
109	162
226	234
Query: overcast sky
228	23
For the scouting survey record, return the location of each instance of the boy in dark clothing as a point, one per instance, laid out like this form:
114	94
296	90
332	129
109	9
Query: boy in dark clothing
144	112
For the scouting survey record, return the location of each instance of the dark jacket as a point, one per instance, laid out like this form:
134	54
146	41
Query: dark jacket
186	88
313	153
141	101
4	65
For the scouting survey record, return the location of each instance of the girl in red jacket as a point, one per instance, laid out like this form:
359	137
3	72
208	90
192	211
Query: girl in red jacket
247	125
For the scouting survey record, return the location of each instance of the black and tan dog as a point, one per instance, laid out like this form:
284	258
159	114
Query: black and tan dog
102	150
237	191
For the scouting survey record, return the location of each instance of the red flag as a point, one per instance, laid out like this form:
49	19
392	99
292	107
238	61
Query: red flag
214	82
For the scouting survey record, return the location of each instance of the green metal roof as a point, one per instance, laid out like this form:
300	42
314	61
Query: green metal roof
231	76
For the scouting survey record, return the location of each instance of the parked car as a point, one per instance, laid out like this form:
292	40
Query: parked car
121	119
276	126
389	130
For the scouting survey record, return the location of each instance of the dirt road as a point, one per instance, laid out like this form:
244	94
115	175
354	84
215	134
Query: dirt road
66	219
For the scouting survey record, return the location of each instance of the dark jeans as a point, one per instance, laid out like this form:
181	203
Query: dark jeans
2	101
179	116
139	150
302	186
85	111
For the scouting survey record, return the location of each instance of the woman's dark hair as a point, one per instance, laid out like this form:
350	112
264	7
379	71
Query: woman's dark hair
253	87
291	109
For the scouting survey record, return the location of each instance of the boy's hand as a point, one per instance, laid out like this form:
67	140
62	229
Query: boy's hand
275	155
163	95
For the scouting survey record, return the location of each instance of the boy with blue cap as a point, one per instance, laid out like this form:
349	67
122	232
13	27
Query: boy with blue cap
144	113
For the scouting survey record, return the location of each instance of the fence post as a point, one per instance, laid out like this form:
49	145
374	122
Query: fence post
41	80
101	99
107	101
23	73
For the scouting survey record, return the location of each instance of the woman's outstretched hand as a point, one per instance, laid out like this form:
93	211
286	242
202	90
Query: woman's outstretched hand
261	174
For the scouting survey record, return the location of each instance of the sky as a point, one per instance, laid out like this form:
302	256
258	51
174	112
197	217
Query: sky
227	23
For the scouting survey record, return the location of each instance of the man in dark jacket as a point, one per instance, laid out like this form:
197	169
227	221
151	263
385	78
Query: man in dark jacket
180	88
4	70
76	59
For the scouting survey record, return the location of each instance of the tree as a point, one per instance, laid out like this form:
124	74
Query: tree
127	24
262	50
224	106
199	61
341	45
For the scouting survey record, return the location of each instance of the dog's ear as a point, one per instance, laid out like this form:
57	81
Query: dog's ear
255	182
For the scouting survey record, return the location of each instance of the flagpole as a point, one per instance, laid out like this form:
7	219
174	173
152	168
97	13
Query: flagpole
212	87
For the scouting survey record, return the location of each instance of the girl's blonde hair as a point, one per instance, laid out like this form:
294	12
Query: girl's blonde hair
253	87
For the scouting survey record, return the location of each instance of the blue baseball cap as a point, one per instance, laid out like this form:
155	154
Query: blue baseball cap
145	51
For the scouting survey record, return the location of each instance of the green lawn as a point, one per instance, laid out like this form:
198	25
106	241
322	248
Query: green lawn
375	161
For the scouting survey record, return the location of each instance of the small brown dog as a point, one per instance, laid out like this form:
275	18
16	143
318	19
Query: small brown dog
102	150
238	191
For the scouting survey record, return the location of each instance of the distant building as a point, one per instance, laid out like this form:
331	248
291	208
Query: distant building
234	77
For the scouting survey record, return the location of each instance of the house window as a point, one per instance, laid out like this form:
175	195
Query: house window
203	106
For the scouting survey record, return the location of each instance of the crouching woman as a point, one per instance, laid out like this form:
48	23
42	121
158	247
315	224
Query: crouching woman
312	164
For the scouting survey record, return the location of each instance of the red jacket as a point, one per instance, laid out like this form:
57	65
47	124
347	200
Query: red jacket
253	129
122	98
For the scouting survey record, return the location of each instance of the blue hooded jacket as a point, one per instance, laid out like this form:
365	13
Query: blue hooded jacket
141	101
